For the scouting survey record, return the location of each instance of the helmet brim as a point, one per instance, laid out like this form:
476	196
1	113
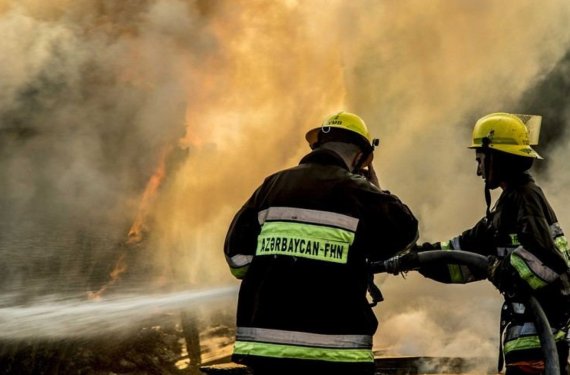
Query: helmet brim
312	137
524	151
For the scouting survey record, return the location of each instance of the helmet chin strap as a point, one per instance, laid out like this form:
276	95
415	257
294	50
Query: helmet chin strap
487	166
488	201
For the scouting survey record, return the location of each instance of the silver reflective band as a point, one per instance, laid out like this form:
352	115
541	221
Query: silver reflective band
526	329
518	308
536	265
239	260
276	336
308	216
455	243
556	230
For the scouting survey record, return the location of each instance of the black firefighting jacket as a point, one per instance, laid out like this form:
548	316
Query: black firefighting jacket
301	245
523	231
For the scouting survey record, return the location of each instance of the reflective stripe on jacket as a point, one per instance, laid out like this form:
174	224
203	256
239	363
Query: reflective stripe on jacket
523	336
303	345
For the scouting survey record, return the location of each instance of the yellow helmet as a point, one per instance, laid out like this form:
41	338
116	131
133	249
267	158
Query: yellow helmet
504	132
342	120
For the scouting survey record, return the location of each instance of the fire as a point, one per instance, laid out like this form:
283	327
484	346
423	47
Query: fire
120	267
138	228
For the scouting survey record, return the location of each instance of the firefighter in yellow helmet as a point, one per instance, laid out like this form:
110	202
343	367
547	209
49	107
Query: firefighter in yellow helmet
352	129
528	251
301	244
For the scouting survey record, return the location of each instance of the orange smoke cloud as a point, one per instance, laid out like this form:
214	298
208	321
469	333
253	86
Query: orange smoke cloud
253	77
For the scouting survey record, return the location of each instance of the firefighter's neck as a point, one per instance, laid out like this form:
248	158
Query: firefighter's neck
503	182
348	152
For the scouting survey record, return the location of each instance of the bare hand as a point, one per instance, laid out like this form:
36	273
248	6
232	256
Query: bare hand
371	176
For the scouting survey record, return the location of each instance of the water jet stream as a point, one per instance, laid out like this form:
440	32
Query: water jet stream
53	318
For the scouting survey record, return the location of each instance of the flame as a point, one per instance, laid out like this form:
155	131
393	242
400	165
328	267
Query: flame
139	227
136	233
120	267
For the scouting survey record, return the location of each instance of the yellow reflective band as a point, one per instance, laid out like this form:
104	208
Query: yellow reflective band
303	352
454	269
529	342
305	241
526	273
239	272
562	245
514	239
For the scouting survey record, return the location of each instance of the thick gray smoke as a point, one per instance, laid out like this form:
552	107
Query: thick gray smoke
86	106
96	93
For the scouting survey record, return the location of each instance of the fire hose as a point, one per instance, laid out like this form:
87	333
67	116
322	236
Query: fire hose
480	262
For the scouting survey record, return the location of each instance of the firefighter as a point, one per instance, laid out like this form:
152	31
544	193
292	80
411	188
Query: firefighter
524	241
301	244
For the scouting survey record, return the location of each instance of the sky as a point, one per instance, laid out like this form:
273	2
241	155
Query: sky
169	113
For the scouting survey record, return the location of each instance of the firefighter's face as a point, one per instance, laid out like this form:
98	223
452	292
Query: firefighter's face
480	158
486	169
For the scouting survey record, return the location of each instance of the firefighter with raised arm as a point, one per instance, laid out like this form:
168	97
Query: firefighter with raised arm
301	245
523	239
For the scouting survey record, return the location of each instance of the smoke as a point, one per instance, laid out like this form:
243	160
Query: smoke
549	97
94	92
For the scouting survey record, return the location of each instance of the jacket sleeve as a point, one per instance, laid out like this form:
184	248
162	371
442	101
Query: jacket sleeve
537	259
241	238
478	239
396	225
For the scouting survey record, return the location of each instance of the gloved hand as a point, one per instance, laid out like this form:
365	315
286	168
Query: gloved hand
404	262
427	246
505	278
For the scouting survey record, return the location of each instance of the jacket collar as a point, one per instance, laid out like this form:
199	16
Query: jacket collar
325	157
519	179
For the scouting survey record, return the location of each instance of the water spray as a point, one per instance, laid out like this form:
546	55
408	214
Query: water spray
52	318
